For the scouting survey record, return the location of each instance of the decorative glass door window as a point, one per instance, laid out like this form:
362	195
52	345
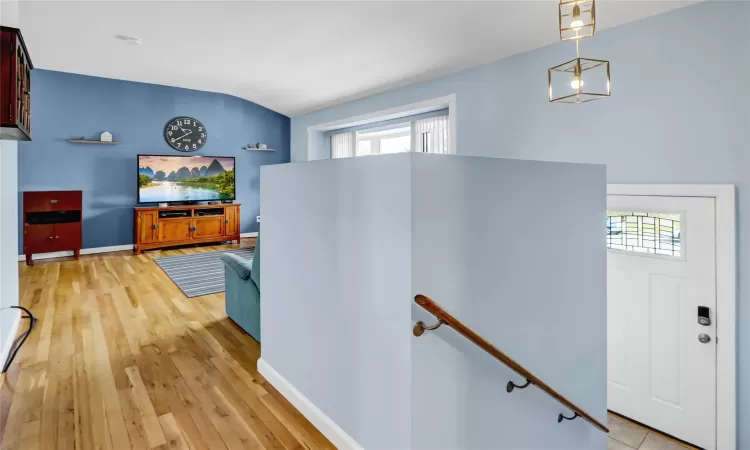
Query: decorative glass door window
654	233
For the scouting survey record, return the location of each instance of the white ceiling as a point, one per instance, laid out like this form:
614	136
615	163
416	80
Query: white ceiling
294	57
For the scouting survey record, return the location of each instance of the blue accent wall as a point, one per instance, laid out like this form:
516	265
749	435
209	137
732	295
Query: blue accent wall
679	113
66	105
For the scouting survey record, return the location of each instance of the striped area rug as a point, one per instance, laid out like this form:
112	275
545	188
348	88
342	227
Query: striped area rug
202	273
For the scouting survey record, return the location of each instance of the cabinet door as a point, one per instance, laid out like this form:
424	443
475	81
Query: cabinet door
206	227
172	230
68	236
51	237
147	226
38	238
232	220
23	89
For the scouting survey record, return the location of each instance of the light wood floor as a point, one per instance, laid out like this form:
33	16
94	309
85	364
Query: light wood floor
122	359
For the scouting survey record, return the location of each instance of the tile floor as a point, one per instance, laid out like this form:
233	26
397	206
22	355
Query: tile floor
626	435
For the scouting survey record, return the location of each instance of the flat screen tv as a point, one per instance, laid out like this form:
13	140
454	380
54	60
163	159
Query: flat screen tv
169	178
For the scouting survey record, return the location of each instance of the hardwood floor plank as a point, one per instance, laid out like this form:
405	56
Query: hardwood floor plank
225	408
172	432
108	389
133	420
30	436
15	422
101	436
151	426
302	430
273	433
83	437
121	359
50	410
65	413
29	358
190	431
200	386
206	429
45	335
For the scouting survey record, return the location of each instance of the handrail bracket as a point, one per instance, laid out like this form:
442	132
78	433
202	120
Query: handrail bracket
420	327
511	385
561	417
444	317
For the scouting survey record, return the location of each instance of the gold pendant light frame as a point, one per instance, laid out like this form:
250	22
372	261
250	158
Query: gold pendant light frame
577	20
583	11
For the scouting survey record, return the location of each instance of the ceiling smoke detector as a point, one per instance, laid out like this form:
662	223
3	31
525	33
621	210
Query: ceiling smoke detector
129	39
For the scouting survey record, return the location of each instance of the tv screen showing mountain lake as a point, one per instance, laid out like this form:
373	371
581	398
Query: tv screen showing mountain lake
179	179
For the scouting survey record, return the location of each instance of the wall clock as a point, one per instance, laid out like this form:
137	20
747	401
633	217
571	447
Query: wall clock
185	134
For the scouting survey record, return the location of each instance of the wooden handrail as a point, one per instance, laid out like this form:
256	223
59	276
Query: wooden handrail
444	317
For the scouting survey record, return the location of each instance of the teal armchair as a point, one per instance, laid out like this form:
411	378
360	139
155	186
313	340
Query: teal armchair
242	289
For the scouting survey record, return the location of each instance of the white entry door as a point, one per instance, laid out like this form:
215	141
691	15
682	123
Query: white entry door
661	268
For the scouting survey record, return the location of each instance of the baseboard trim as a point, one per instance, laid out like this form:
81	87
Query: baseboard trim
9	339
94	250
84	251
322	422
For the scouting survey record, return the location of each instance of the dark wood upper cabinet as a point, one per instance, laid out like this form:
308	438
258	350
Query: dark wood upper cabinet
15	86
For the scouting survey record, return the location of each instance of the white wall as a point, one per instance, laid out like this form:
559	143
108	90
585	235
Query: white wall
514	249
335	283
663	124
8	241
8	219
510	247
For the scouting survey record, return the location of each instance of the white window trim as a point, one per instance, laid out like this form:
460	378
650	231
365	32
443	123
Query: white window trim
436	104
726	295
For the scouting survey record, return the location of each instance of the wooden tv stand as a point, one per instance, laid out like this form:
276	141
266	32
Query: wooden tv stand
157	227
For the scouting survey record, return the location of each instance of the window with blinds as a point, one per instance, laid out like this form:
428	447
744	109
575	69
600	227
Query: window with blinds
342	145
431	135
427	133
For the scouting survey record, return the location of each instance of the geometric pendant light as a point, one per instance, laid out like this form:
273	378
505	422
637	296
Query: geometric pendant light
579	80
577	19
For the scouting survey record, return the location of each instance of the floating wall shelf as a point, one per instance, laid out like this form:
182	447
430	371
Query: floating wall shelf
259	149
90	141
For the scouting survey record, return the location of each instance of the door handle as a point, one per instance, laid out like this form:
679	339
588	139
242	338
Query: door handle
53	201
226	221
153	227
704	338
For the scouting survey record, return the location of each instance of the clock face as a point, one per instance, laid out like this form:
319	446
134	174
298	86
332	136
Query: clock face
185	134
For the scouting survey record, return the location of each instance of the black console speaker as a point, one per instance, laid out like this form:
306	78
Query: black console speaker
173	214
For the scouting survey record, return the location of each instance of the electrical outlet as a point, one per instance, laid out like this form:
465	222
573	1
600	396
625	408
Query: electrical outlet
257	218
